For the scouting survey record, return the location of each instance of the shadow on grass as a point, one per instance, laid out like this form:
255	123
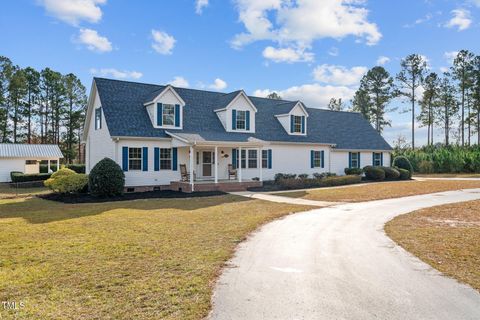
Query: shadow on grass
36	210
293	194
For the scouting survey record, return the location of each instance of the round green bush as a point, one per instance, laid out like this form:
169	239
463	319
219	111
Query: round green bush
67	181
62	172
391	173
374	173
404	174
106	179
353	171
403	163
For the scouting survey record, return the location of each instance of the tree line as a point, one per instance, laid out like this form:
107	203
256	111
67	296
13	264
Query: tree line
41	107
449	101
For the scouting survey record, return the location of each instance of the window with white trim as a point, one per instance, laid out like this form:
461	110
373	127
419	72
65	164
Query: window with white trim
30	162
354	162
377	159
134	158
252	159
165	159
317	159
168	115
241	123
98	118
265	159
297	124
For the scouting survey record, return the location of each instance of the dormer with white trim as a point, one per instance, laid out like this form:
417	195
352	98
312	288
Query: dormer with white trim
166	109
239	113
295	121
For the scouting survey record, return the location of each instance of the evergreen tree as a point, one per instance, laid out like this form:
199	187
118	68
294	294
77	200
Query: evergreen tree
476	94
362	103
335	104
6	71
410	77
448	105
33	89
428	104
17	90
76	102
274	95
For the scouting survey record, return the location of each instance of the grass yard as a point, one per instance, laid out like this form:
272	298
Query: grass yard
144	259
6	191
384	190
447	175
446	237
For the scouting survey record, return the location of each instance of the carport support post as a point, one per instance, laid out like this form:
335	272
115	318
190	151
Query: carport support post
239	164
259	162
216	164
191	167
48	167
58	164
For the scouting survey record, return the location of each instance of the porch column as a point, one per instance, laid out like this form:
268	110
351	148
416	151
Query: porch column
191	166
240	164
48	166
58	164
259	161
216	164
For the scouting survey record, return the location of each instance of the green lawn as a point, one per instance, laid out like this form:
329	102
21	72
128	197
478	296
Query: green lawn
7	191
144	259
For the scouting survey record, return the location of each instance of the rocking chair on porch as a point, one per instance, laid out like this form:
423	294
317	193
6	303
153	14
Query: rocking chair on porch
185	174
232	172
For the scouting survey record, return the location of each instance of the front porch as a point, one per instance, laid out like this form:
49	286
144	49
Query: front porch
208	185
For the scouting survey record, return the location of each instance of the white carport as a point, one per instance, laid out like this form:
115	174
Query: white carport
26	158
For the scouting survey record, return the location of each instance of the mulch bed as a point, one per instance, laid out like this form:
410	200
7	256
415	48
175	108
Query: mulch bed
87	198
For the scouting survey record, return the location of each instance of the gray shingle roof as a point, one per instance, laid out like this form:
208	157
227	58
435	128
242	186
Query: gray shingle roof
35	151
122	104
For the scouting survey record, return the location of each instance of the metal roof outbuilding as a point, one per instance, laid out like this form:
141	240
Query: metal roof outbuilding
35	151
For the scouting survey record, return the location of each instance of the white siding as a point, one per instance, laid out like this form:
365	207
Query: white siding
240	103
8	165
99	143
340	160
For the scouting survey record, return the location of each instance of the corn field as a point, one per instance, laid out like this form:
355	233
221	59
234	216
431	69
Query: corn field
443	159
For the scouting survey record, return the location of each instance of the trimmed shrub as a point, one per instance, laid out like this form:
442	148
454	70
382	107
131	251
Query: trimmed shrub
318	183
323	175
303	176
374	173
403	163
351	171
404	174
391	173
67	181
106	179
78	168
425	166
17	176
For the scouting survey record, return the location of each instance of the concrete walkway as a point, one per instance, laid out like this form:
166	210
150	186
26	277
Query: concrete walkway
337	263
280	199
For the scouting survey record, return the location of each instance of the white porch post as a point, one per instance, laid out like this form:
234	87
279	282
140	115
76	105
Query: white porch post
216	164
260	161
48	167
191	166
240	164
58	164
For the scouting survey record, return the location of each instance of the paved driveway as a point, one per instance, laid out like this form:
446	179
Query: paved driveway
337	263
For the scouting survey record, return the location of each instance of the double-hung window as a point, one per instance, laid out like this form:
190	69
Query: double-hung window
165	159
243	158
241	123
355	160
168	115
252	159
265	159
134	158
98	118
377	159
317	159
297	124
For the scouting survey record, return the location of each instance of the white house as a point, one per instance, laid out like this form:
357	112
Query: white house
26	158
150	130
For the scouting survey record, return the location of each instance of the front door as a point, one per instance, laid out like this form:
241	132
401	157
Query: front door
207	161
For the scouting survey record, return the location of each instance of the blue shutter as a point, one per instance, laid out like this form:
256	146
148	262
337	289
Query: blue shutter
303	124
159	114
125	158
234	119
156	159
234	158
177	115
322	153
174	159
349	159
291	124
269	159
312	158
145	159
359	165
381	159
373	158
247	120
100	116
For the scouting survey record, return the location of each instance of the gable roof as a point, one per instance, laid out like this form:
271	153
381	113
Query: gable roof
122	104
11	150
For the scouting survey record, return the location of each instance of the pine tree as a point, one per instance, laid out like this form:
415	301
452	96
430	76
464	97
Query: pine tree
33	89
335	104
17	90
6	71
448	104
428	105
76	101
362	103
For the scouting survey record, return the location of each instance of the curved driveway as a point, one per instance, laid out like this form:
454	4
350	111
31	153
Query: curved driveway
337	263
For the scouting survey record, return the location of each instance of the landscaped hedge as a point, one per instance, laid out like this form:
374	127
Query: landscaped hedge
403	162
297	183
391	173
404	174
350	171
67	181
22	177
78	168
106	179
374	173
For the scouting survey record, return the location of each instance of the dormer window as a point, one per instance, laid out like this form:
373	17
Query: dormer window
297	124
168	114
241	120
166	109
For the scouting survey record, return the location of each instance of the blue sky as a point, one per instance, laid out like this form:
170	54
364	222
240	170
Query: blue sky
309	50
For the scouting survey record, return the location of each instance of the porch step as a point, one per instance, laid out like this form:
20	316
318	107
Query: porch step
221	186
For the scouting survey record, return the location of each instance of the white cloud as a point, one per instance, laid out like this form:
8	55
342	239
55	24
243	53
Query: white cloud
450	56
382	60
199	5
333	51
163	43
313	95
287	55
94	41
424	19
461	19
180	82
339	75
74	11
299	23
218	84
444	69
117	74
